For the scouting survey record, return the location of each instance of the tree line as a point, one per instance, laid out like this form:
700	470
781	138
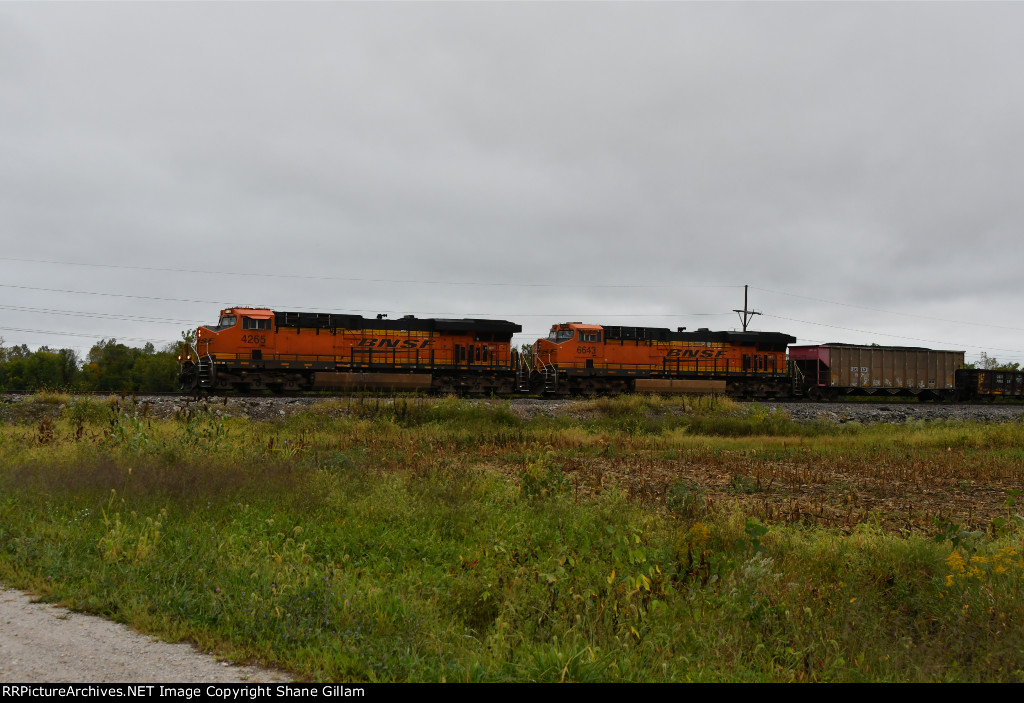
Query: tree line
109	366
992	364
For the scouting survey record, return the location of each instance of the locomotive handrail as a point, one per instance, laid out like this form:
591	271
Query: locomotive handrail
677	366
387	356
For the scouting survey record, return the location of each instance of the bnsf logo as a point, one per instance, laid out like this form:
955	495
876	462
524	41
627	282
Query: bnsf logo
695	353
386	343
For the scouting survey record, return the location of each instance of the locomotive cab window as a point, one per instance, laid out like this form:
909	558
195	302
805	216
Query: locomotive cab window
252	323
227	321
559	336
590	336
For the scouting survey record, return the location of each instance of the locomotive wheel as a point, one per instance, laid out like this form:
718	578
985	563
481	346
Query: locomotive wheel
188	380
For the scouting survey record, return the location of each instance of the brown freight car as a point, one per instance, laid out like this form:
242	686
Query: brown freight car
831	370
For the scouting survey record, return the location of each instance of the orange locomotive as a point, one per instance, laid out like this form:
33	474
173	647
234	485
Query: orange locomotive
579	358
256	348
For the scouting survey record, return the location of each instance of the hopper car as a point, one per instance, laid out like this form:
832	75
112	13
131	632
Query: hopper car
989	384
828	371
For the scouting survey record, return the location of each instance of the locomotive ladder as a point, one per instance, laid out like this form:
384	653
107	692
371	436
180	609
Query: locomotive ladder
204	371
797	376
522	375
550	378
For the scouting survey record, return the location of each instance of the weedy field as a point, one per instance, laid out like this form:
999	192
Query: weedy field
628	539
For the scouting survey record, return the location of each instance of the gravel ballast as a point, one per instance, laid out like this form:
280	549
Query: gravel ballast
15	408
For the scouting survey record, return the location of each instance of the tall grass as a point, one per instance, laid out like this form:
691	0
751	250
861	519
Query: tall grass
454	541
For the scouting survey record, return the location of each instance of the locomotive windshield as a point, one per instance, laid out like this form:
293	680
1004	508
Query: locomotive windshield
559	336
226	321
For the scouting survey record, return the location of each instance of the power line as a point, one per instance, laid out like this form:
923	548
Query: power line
450	283
96	315
112	295
81	334
554	316
888	312
309	277
222	304
896	336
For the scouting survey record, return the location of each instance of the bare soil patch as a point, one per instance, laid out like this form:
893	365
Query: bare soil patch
831	493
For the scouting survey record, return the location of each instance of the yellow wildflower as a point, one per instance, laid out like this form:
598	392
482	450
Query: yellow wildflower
699	535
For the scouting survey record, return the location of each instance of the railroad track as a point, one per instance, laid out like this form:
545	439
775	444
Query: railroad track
266	395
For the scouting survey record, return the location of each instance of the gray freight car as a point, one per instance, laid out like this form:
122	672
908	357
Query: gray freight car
832	370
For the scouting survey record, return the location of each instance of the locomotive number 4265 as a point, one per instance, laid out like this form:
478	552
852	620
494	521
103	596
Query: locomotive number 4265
254	339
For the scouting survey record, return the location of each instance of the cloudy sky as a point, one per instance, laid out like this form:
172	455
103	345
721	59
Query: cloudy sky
859	166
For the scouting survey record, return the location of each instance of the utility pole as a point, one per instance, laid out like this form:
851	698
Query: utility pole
745	314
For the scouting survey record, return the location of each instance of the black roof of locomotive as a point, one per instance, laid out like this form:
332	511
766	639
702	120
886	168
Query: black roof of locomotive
335	321
764	340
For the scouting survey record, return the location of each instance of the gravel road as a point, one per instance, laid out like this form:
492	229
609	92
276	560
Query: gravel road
42	643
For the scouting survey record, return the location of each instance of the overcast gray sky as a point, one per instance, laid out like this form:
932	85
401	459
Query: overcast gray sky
858	165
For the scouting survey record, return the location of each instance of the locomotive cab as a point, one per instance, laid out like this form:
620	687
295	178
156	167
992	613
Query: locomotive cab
239	333
571	342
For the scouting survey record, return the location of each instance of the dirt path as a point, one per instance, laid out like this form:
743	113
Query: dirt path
42	643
